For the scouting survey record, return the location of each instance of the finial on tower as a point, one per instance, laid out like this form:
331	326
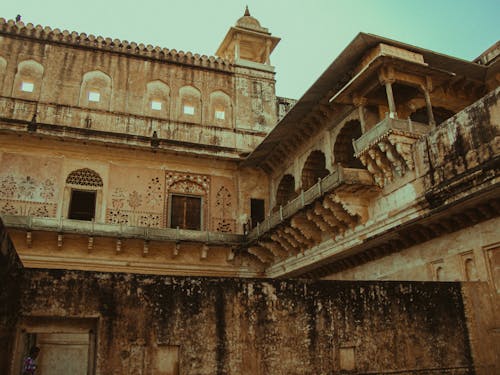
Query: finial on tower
247	12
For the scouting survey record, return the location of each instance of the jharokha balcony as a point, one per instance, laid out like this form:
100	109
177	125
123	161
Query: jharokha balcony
386	149
330	209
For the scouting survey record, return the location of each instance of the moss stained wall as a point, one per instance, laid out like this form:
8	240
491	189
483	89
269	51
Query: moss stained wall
10	280
234	326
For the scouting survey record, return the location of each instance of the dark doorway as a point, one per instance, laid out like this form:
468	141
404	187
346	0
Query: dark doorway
82	205
185	212
257	211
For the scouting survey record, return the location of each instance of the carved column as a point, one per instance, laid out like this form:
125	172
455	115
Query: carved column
428	104
360	102
390	98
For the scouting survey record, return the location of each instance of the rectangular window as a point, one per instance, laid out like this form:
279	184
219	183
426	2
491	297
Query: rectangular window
27	86
188	109
94	96
82	205
156	105
185	212
167	360
257	212
220	115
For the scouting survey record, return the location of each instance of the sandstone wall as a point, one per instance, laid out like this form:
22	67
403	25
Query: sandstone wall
229	326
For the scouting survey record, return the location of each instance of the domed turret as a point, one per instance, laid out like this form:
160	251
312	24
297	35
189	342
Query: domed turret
249	22
248	41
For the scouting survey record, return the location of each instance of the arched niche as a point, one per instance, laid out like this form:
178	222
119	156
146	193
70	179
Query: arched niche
3	69
220	109
286	190
95	90
314	169
189	107
83	195
28	80
343	149
157	99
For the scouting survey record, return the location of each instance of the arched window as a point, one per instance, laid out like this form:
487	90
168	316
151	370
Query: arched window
189	104
28	80
3	69
286	190
157	99
440	274
220	109
95	91
470	270
314	168
83	194
343	150
440	115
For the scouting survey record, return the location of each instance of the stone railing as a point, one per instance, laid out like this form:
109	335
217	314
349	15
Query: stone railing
82	40
170	131
332	183
386	149
93	229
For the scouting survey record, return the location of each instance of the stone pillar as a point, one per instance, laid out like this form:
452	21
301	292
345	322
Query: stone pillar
390	98
430	114
237	47
268	53
360	102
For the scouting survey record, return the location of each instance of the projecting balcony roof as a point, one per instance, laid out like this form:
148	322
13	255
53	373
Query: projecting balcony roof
339	74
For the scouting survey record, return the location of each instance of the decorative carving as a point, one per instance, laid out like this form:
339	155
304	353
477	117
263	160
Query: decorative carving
224	225
26	188
261	253
154	193
8	208
118	198
134	200
8	187
223	203
84	177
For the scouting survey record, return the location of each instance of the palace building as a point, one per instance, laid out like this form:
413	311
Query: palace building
166	213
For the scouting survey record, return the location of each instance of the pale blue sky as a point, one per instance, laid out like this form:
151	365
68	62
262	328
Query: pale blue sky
313	32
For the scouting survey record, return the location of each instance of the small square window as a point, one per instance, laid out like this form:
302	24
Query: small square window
220	114
94	96
156	105
82	205
188	109
27	86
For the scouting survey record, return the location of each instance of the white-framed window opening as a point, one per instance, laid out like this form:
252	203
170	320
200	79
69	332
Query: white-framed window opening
94	96
27	86
220	114
188	109
156	105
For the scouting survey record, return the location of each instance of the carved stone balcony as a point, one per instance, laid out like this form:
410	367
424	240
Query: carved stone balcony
386	149
330	208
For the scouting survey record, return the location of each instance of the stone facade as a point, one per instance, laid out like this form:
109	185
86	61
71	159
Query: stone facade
119	160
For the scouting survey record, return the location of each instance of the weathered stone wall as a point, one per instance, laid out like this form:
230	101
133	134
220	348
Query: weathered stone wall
140	90
229	326
10	277
465	255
